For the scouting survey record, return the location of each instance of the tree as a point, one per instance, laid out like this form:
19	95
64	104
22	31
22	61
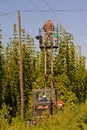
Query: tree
68	65
1	66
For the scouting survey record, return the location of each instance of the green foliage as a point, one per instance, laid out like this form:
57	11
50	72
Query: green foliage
4	117
2	60
72	117
70	76
69	63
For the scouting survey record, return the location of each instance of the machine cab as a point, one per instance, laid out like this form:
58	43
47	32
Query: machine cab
43	101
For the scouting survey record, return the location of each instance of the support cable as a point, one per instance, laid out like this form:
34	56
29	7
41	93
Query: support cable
37	8
81	12
51	10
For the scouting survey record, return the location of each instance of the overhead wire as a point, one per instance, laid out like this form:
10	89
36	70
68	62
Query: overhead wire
33	3
7	13
81	12
8	18
6	29
83	18
51	10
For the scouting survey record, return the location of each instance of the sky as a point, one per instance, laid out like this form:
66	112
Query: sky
71	14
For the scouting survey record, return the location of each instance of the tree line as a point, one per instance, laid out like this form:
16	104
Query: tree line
70	74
